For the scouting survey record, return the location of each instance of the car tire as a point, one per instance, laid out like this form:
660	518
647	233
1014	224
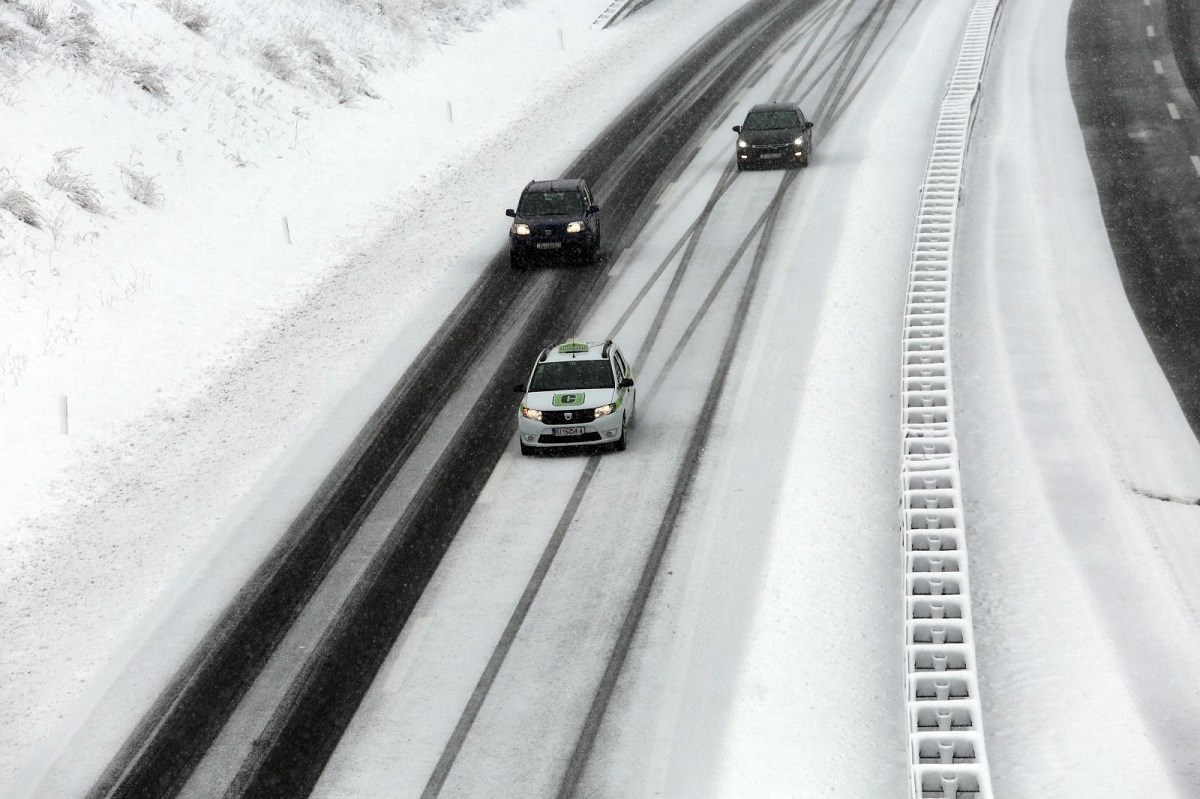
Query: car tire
526	449
620	443
740	167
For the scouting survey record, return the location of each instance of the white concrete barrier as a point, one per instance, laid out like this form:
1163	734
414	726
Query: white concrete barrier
948	758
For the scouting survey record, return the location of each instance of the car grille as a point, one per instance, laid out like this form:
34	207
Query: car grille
769	147
576	417
586	438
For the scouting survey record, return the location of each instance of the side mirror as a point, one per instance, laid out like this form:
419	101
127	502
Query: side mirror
519	388
593	209
808	125
509	212
626	382
737	128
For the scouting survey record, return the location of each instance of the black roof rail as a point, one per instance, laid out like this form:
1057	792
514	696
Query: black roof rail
607	347
545	352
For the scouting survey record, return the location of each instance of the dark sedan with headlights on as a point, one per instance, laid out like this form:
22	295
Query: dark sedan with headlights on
774	134
554	218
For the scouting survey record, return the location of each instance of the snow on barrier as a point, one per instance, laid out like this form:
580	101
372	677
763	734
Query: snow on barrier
618	10
945	724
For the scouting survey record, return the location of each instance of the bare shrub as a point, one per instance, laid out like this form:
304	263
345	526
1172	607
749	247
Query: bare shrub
193	16
278	61
11	38
141	187
344	88
316	49
77	186
37	16
19	203
78	48
149	78
367	59
347	87
81	37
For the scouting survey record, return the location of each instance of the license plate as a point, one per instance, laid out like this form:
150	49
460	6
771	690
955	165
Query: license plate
549	245
771	155
568	431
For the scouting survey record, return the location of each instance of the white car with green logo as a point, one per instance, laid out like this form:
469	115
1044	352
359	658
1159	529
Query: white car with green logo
578	394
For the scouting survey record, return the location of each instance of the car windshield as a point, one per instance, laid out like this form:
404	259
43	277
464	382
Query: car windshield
771	120
572	376
550	203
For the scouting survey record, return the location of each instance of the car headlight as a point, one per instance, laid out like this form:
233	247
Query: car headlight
742	143
521	229
574	227
605	410
530	413
798	142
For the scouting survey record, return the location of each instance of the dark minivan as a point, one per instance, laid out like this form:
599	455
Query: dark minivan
774	134
554	217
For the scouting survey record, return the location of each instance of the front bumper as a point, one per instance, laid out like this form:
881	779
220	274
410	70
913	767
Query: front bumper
771	156
605	430
573	243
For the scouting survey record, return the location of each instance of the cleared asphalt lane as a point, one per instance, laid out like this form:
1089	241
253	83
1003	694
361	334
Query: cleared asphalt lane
1143	159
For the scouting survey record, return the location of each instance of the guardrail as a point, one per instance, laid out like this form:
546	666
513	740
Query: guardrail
618	10
948	758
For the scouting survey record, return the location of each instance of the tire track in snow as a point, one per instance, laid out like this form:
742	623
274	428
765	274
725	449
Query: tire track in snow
679	495
764	224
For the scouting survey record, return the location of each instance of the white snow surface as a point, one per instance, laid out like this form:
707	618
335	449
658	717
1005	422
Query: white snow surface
1086	602
213	371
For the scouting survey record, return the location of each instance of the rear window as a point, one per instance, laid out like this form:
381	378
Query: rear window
572	376
550	203
771	120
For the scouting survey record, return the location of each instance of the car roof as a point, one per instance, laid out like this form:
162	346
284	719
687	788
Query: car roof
571	184
775	107
574	350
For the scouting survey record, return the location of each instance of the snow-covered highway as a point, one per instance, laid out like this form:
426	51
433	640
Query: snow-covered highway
718	611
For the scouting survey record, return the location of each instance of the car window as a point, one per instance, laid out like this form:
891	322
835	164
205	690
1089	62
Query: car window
572	376
549	203
622	368
771	120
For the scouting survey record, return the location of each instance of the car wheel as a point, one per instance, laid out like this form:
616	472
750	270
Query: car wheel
526	449
619	444
740	167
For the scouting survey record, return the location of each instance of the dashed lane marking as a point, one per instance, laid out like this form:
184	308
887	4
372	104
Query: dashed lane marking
1196	163
1173	110
1150	31
1158	66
